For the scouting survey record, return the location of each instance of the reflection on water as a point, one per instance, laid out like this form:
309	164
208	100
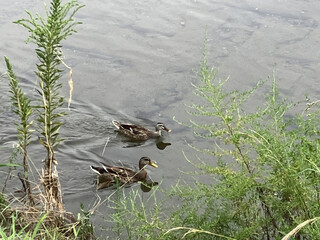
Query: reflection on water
147	185
105	181
129	143
162	145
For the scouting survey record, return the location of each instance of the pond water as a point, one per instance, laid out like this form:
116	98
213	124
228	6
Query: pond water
134	60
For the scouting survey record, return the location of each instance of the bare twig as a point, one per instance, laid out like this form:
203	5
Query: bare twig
105	145
294	231
192	230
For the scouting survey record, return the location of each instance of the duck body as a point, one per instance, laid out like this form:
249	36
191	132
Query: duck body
110	175
137	132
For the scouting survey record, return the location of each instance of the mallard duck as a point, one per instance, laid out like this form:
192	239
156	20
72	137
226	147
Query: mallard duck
110	175
138	132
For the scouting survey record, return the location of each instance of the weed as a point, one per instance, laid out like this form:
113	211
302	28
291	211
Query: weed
51	222
132	218
23	109
47	34
263	166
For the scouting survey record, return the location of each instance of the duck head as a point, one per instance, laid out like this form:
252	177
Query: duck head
160	126
144	161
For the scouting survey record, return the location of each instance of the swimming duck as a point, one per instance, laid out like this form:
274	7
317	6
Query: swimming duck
110	175
138	132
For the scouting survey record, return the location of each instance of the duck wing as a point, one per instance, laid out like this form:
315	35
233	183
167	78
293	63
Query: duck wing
132	130
119	170
125	174
127	126
135	129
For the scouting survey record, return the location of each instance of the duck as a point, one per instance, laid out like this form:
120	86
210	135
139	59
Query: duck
138	132
111	175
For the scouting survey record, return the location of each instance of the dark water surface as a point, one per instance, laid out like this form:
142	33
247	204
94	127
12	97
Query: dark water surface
133	61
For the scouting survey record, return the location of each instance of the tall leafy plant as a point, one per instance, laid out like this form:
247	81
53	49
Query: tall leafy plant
47	34
23	109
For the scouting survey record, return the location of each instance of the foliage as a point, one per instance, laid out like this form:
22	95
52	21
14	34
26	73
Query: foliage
261	172
33	224
132	218
9	165
47	34
83	229
28	222
263	166
3	202
13	232
23	109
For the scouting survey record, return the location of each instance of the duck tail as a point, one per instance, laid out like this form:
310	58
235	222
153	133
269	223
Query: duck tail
116	124
98	170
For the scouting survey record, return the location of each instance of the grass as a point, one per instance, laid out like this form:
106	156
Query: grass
13	233
26	223
131	217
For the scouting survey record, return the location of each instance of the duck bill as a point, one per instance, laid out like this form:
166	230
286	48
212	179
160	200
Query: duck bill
167	129
153	164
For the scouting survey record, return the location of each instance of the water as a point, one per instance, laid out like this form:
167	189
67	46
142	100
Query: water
134	61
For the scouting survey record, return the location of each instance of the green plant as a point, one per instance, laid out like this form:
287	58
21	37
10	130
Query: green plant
135	218
262	167
27	222
22	233
262	172
9	165
3	202
47	34
83	229
23	110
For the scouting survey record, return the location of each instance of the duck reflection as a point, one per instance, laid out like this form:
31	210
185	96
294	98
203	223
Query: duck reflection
129	143
162	145
147	185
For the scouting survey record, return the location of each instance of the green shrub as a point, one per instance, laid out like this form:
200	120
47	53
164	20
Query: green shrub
262	172
263	165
